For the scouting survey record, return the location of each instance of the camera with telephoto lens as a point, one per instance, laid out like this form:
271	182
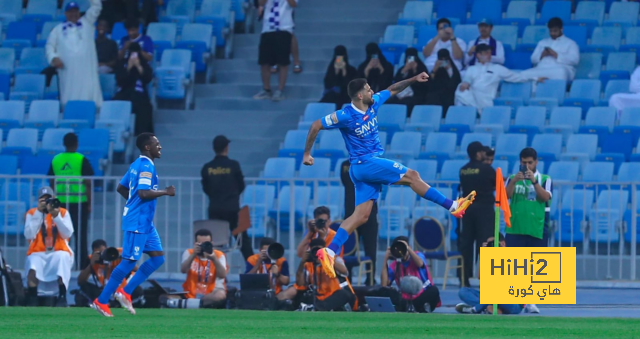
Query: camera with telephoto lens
53	202
398	249
320	223
275	251
110	254
206	247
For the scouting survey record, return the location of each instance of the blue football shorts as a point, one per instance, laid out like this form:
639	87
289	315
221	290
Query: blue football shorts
134	244
369	176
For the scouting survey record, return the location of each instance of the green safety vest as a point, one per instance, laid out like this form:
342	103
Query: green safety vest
527	212
69	164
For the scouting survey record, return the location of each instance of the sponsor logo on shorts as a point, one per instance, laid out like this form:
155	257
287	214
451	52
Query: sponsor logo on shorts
136	250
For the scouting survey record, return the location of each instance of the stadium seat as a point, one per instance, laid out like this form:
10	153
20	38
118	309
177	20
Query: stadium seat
531	36
11	115
424	119
395	40
584	93
520	14
7	60
94	143
513	94
459	120
10	11
529	120
294	146
579	34
404	146
281	213
615	158
384	141
8	165
581	148
391	118
174	75
278	168
217	14
321	169
564	171
43	114
18	191
549	94
490	9
589	14
614	87
599	121
52	140
623	14
605	40
395	212
331	146
597	172
508	35
117	118
425	34
46	30
79	114
573	214
590	66
428	169
496	115
629	124
555	9
260	199
313	112
28	87
632	42
180	12
452	9
620	65
20	35
21	142
606	217
197	39
36	164
330	196
483	138
508	147
439	147
548	146
108	86
564	120
416	12
628	215
32	60
163	35
467	32
451	171
39	12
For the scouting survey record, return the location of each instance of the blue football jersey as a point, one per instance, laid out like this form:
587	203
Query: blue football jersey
359	129
138	213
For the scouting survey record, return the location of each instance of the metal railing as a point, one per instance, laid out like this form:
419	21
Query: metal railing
599	219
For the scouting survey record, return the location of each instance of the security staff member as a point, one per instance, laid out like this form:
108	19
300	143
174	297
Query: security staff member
223	182
74	194
368	231
479	221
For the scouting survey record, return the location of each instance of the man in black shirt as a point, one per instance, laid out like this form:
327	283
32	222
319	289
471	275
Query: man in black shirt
479	221
106	48
223	182
369	230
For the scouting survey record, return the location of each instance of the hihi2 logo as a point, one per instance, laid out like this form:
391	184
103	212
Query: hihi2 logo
519	275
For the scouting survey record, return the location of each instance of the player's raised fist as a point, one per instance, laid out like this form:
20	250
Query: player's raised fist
171	191
307	160
422	77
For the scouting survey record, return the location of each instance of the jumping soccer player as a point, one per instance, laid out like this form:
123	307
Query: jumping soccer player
140	187
358	124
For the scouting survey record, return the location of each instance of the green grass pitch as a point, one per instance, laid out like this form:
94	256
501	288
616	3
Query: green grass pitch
163	323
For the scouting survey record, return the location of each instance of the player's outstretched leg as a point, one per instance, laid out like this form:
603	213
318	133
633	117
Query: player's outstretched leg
101	304
124	294
457	208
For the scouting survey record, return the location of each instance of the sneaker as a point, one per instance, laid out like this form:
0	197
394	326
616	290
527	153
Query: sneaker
531	308
325	256
125	300
101	308
464	308
462	204
263	95
62	302
277	95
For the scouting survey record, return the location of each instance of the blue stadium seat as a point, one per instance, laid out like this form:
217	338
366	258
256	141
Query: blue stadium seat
589	14
217	13
508	35
278	168
549	94
36	164
383	138
620	65
11	115
424	119
632	42
467	32
20	35
614	87
425	34
44	33
508	147
32	60
490	9
451	172
52	140
391	118
321	169
504	165
605	219
404	146
564	120
555	9
597	172
452	9
628	215
260	200
300	198
483	138
7	60
548	146
579	34
599	121
116	117
108	86
174	72
564	171
79	114
581	148
416	12
180	12
94	143
590	66
623	14
513	94
615	158
21	142
17	191
531	36
428	169
8	165
496	115
395	40
439	147
313	112
529	120
197	39
330	196
395	211
573	214
520	14
163	35
629	124
39	12
459	120
43	114
605	40
28	87
584	93
294	146
331	146
10	11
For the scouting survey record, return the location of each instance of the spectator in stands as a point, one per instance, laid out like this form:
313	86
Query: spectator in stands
443	81
632	99
480	82
485	26
338	75
96	273
49	257
478	222
132	26
318	228
376	69
555	57
106	48
415	265
133	74
206	270
444	40
74	194
489	155
415	94
368	232
223	182
260	263
471	296
275	45
71	49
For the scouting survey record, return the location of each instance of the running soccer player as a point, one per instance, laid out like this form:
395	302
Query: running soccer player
358	124
140	187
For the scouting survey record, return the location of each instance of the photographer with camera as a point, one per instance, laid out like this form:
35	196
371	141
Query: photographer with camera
97	271
48	228
318	228
206	271
266	262
409	271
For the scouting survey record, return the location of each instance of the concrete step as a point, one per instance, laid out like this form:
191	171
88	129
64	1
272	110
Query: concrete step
251	77
351	5
207	131
309	92
366	13
251	104
252	65
315	52
315	39
216	115
331	26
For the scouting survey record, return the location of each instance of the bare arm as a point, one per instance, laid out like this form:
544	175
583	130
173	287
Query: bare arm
304	243
511	186
123	191
300	280
339	266
541	193
186	264
292	3
316	127
84	275
428	48
456	50
151	194
221	269
262	2
401	86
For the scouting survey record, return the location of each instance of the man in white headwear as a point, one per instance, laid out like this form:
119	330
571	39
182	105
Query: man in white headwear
480	83
555	57
623	100
71	49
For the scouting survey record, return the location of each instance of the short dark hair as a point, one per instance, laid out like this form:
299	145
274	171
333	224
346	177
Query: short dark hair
473	149
554	22
70	140
98	243
202	233
489	151
266	242
321	210
143	140
483	47
443	20
317	242
355	86
401	238
131	23
529	153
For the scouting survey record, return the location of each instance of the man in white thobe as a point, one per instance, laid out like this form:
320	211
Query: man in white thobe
485	27
623	100
71	49
555	57
480	83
